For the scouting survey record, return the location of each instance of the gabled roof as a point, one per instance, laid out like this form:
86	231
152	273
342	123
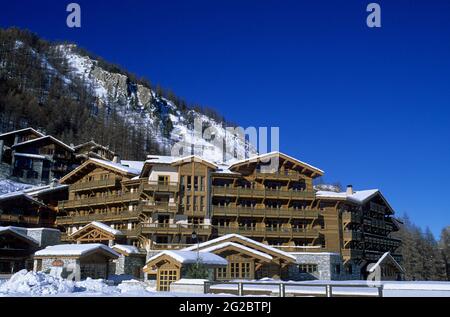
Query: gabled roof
193	158
47	137
384	258
22	131
95	225
126	249
188	257
255	159
121	169
20	233
238	239
240	248
358	197
77	250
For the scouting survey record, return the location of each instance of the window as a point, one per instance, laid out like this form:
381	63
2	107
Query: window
165	278
221	273
240	270
163	179
308	268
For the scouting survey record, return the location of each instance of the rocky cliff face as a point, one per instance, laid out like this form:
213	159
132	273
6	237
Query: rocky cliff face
141	105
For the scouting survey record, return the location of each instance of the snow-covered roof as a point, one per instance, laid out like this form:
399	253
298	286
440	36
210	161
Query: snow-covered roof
137	165
239	246
383	258
225	169
193	158
46	137
22	232
239	237
116	166
34	156
275	153
20	131
129	249
190	257
75	250
358	196
101	226
159	159
34	191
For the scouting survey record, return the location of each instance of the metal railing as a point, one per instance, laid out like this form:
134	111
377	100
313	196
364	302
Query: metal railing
281	287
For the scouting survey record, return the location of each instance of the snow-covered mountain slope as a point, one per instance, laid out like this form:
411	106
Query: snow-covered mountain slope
141	105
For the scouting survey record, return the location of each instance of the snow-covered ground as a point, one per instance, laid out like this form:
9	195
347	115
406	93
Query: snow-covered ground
390	288
26	284
32	284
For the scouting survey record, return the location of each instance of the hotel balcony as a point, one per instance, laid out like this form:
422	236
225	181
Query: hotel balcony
173	229
98	201
286	175
352	254
270	232
104	183
84	219
349	217
160	187
352	235
151	207
230	211
262	193
16	219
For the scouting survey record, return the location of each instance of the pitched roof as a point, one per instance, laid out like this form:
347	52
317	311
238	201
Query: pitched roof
190	257
69	148
20	233
237	246
128	249
386	257
76	250
236	238
105	164
22	130
257	158
359	197
101	226
193	158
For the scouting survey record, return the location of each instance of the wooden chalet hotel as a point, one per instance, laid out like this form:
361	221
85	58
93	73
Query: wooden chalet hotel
265	223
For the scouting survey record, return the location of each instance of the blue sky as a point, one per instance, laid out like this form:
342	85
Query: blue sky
368	106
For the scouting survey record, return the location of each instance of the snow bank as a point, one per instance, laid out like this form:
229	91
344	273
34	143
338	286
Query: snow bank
31	283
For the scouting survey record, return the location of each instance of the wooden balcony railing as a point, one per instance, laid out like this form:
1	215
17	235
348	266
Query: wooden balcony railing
265	212
80	219
19	219
352	253
95	201
286	175
172	187
348	217
159	206
352	235
94	184
282	232
164	228
262	193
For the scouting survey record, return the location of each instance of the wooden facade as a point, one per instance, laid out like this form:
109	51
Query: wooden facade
173	203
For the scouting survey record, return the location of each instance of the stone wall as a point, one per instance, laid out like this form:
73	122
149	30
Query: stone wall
45	237
128	265
326	266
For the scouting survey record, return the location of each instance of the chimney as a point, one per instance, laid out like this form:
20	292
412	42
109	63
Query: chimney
350	190
116	159
54	183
